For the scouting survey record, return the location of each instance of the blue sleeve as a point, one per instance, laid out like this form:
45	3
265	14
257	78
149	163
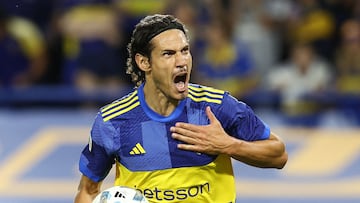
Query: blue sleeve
239	120
97	157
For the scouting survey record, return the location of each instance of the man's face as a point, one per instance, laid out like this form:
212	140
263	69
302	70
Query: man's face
171	64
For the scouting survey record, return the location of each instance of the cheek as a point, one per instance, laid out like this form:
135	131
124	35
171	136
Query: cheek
161	74
190	62
188	58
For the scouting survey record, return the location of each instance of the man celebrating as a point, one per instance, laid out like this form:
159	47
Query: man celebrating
170	139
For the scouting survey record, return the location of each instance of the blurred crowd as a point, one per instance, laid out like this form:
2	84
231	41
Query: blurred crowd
298	55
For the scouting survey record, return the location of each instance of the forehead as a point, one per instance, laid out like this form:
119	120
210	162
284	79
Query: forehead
170	39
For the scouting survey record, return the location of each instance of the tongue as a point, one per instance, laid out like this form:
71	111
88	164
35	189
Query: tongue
180	86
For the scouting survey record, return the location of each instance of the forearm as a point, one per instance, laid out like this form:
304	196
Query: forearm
87	190
83	197
268	153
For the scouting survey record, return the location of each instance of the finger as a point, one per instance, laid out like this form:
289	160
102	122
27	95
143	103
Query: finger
189	147
187	126
185	139
183	131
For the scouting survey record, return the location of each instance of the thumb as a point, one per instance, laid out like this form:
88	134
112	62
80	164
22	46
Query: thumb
210	115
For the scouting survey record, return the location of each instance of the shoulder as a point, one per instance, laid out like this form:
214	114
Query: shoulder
200	93
120	106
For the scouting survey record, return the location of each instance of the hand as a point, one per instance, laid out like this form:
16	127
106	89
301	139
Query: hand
209	139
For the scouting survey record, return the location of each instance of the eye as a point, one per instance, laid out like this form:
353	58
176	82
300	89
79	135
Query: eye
185	50
168	53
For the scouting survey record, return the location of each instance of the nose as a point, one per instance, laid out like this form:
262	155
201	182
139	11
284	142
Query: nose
181	61
182	68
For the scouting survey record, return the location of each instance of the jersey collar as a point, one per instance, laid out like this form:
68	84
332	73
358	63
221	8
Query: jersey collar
154	115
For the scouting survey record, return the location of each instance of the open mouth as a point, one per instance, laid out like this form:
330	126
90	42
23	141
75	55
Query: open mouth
180	81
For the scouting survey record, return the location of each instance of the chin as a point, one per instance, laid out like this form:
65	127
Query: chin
180	95
184	95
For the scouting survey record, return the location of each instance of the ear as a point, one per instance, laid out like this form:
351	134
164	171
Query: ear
142	62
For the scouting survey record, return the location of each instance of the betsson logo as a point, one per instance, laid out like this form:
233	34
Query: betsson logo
177	194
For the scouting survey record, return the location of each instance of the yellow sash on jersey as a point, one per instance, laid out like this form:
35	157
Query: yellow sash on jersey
212	183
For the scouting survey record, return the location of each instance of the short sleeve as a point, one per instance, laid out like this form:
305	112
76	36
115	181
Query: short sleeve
97	157
240	121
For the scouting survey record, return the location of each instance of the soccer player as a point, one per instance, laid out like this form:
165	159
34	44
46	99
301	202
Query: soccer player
170	139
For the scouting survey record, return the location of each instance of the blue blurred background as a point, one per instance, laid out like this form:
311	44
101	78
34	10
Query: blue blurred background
296	62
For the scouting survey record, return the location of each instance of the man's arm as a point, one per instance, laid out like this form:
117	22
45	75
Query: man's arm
212	139
268	153
87	190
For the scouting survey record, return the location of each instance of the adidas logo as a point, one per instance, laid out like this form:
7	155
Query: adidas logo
138	149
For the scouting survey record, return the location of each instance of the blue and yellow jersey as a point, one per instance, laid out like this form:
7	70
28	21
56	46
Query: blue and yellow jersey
138	140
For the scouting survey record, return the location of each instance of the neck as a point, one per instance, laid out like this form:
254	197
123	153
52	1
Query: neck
158	101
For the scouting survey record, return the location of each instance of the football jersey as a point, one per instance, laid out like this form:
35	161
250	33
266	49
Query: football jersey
129	134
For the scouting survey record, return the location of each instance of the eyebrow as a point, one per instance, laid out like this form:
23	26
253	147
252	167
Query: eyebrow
186	47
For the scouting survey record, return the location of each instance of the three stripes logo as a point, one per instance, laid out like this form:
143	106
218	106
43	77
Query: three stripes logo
137	150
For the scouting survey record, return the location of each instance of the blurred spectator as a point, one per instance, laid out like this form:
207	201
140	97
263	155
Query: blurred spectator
187	12
257	22
304	74
84	43
130	12
226	62
91	40
195	15
348	58
312	24
141	7
22	46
